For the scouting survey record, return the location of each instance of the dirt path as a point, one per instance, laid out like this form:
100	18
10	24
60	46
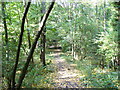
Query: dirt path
66	75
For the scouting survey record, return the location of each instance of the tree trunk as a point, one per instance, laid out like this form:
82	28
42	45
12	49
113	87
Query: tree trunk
43	38
117	5
29	42
42	24
6	31
104	16
28	33
71	30
19	45
6	40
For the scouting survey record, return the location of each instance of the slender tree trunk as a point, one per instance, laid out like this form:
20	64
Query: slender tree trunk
97	15
43	38
6	39
42	52
71	30
104	15
42	24
73	34
28	32
117	5
19	45
29	42
119	39
75	29
6	31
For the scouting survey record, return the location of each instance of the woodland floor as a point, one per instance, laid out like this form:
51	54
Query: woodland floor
66	74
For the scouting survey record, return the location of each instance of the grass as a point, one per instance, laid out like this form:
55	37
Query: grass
93	76
37	75
41	76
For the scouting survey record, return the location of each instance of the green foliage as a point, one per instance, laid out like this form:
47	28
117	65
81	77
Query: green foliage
86	30
100	80
108	44
107	40
40	77
92	76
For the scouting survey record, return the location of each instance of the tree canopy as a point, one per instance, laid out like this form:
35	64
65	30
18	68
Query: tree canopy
42	38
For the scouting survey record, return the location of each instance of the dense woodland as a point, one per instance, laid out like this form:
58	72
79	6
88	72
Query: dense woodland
85	34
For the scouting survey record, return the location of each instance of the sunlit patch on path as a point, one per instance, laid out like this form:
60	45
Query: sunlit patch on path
66	75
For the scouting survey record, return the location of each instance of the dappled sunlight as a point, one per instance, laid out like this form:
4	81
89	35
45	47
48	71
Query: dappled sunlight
66	74
99	70
66	45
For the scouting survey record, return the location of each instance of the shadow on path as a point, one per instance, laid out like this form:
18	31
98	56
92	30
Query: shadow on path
66	75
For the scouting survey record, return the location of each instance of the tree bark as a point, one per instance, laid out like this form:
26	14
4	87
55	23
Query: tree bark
19	45
42	24
6	31
28	32
104	16
6	39
29	42
43	38
117	5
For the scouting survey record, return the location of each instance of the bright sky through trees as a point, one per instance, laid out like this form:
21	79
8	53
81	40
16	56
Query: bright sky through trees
92	1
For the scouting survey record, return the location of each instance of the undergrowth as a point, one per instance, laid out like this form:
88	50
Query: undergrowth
92	76
37	76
